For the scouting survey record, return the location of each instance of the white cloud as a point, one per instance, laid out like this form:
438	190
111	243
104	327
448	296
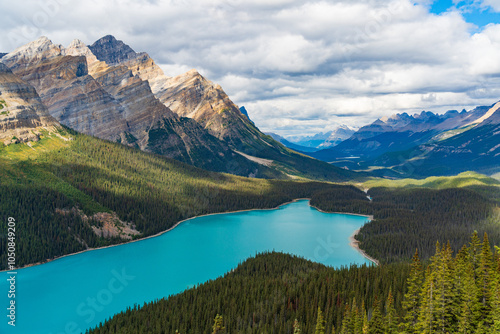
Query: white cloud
493	4
298	66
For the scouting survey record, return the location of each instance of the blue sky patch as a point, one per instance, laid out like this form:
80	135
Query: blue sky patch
472	11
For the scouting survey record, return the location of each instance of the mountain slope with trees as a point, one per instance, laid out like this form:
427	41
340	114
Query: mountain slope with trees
277	293
80	177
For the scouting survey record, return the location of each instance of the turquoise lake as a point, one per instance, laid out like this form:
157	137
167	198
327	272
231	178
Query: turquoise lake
77	292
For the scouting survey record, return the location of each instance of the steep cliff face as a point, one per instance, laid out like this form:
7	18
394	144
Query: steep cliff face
23	117
192	96
72	96
188	95
110	102
114	52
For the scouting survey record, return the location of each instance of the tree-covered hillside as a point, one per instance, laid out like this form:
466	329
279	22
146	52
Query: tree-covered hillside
410	218
58	189
277	293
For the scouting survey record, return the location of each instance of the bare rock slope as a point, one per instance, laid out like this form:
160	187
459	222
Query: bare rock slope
23	117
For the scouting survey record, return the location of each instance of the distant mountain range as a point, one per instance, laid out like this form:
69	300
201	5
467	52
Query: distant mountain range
109	91
323	140
423	144
291	145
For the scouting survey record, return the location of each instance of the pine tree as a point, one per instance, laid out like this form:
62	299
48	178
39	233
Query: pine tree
366	326
484	278
320	323
376	324
390	315
445	309
425	323
466	291
347	321
218	326
411	302
296	327
358	317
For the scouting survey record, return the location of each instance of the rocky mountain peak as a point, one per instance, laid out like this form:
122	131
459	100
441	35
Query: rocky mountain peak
112	51
40	49
78	48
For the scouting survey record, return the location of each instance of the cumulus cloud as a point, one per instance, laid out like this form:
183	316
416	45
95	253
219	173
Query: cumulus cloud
299	67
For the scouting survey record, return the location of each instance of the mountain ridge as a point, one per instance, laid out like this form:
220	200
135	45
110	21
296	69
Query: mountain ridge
192	96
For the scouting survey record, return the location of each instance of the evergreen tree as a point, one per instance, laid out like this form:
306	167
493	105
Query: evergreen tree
425	323
358	317
218	326
411	301
365	320
376	324
296	327
466	291
484	280
445	309
320	323
390	315
347	321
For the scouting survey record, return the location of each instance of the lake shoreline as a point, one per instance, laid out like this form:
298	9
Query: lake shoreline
354	244
352	239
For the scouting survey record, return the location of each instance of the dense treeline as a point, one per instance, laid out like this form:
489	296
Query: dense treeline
277	293
266	294
40	232
406	219
93	175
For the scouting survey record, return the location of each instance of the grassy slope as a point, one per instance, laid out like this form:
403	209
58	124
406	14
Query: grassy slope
485	185
465	179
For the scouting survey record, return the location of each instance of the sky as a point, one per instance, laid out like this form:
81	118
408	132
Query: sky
298	67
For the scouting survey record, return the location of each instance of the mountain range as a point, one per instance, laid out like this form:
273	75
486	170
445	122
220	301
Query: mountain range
438	144
324	140
109	91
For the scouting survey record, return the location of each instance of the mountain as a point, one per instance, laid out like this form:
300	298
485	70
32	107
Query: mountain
192	97
110	102
476	146
323	140
2	54
397	133
289	144
424	144
23	117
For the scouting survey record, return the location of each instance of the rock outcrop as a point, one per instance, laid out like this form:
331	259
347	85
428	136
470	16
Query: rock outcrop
23	117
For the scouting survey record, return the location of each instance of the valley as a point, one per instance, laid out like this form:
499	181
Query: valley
101	153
